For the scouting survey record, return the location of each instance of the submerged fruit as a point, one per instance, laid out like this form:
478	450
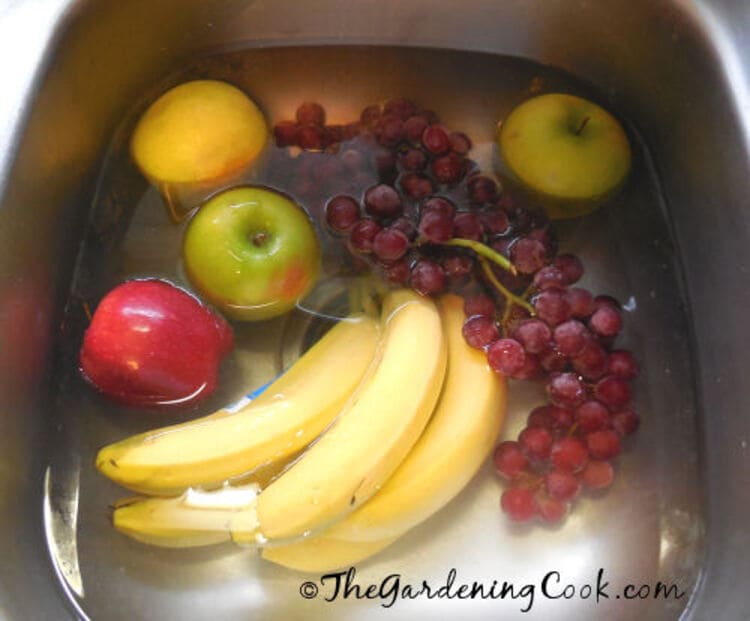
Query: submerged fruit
253	252
569	152
151	344
198	131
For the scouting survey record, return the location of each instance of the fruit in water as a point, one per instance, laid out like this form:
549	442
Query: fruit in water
252	252
570	152
151	344
288	415
197	131
530	324
463	427
458	438
195	137
196	518
372	434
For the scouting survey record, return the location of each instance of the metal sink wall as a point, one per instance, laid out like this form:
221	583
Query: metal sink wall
677	69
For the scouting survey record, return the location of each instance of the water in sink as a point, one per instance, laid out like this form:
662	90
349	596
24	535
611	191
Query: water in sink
647	528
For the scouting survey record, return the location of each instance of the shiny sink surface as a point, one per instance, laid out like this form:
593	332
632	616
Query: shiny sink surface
676	250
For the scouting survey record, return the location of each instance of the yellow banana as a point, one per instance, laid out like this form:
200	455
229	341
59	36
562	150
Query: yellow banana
373	433
291	412
197	518
457	440
321	554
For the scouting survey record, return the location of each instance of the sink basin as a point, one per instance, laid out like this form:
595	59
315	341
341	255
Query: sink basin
675	71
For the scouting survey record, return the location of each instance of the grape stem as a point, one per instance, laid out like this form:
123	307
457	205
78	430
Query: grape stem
483	251
511	297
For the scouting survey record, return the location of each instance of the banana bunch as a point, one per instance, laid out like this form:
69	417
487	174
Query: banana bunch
372	431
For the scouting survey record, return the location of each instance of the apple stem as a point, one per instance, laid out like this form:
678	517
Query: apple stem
87	310
511	297
259	238
582	125
483	251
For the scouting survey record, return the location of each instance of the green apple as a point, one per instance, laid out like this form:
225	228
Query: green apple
567	151
251	251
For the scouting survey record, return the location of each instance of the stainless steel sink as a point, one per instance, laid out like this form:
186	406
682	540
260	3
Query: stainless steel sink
678	71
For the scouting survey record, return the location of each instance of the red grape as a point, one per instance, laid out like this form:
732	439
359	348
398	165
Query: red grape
414	126
625	422
311	113
539	417
400	107
382	201
571	267
621	363
518	503
549	277
506	356
597	474
435	139
533	334
581	302
561	484
569	453
310	137
536	442
551	306
480	331
495	222
406	226
613	392
561	418
342	213
413	160
605	321
427	277
550	510
460	142
436	227
389	130
479	305
448	169
571	337
441	205
606	300
390	244
592	361
416	186
528	255
467	225
592	416
566	390
398	272
362	235
603	444
510	460
482	190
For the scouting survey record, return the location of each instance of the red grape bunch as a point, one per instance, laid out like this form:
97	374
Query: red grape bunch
413	207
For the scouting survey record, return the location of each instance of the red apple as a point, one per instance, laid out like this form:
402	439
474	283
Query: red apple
151	344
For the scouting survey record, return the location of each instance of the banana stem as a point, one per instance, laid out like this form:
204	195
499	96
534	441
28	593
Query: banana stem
511	297
483	251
